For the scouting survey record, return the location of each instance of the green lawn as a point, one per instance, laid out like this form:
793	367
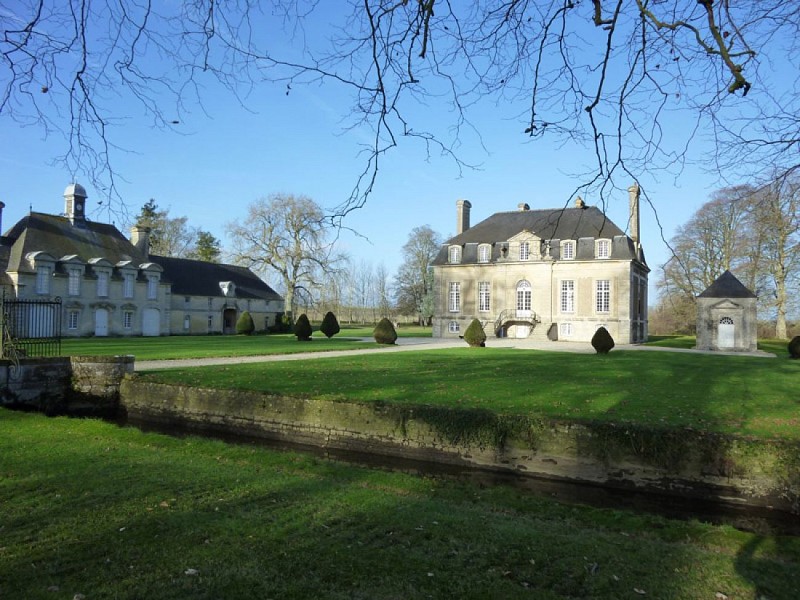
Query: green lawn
88	508
731	394
777	347
202	346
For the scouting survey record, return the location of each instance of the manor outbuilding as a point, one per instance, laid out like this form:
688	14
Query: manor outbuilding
726	316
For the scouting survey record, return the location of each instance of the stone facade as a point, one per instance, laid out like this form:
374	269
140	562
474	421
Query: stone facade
553	274
726	316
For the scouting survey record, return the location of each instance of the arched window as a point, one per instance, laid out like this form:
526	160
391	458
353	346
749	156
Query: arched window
524	292
726	321
455	255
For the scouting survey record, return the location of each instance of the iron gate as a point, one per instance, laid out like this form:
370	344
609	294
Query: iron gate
30	328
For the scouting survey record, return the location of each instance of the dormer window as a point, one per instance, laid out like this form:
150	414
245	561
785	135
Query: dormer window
568	250
602	249
484	253
454	255
228	288
525	251
43	275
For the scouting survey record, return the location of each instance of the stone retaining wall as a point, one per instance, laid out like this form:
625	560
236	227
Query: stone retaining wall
686	463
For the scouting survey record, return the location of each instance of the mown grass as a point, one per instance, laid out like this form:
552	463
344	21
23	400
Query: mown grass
204	346
777	347
89	508
730	394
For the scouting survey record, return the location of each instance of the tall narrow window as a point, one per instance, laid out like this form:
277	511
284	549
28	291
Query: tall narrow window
455	255
484	253
603	295
72	320
523	299
74	287
102	284
43	276
567	250
603	249
567	296
127	319
524	251
455	296
187	323
152	287
127	285
484	296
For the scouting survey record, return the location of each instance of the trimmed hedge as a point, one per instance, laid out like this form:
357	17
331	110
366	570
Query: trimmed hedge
302	328
384	332
602	341
245	325
794	347
475	336
329	326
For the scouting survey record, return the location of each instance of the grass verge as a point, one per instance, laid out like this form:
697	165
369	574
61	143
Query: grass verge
727	394
88	508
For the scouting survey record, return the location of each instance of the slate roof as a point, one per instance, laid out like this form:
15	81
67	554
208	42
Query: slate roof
198	278
58	237
727	286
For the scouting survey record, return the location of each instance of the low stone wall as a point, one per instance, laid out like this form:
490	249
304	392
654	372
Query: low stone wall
78	385
686	463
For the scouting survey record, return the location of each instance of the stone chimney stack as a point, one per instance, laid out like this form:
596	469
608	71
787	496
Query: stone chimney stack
462	216
75	204
140	237
2	206
633	224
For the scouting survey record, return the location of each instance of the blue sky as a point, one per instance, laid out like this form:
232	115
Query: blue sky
223	157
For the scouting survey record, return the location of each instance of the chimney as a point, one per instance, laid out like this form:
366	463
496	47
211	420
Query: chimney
633	224
462	216
140	237
522	206
2	206
75	204
579	203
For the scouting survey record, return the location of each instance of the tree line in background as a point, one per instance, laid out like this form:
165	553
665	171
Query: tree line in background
172	236
754	232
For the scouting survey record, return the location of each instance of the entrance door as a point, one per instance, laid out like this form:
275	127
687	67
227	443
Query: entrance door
151	322
101	322
229	321
523	301
521	330
726	337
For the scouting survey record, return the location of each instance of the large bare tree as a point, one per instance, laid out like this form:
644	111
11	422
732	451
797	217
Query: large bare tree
604	73
413	284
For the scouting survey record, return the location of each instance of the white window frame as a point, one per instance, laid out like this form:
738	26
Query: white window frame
565	330
484	296
128	284
73	317
568	250
602	296
453	327
187	322
454	255
525	251
524	296
567	300
152	287
602	249
454	296
44	273
74	282
484	253
127	319
102	284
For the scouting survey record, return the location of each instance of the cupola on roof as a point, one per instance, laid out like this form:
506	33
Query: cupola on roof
75	189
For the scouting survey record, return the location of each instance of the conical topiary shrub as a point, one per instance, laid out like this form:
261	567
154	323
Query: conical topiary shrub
384	332
329	325
475	336
245	325
602	341
302	328
794	347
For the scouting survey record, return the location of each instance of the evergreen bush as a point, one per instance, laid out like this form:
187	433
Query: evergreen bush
330	326
475	336
794	347
302	328
384	332
602	341
245	325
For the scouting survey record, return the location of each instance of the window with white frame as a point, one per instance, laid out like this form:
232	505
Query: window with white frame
453	327
524	251
43	275
524	295
568	250
603	295
454	255
602	249
72	319
127	319
187	322
568	296
74	285
484	253
454	296
152	287
484	296
565	330
128	281
102	284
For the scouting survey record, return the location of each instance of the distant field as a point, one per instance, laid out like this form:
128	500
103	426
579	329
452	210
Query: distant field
92	510
177	346
730	394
